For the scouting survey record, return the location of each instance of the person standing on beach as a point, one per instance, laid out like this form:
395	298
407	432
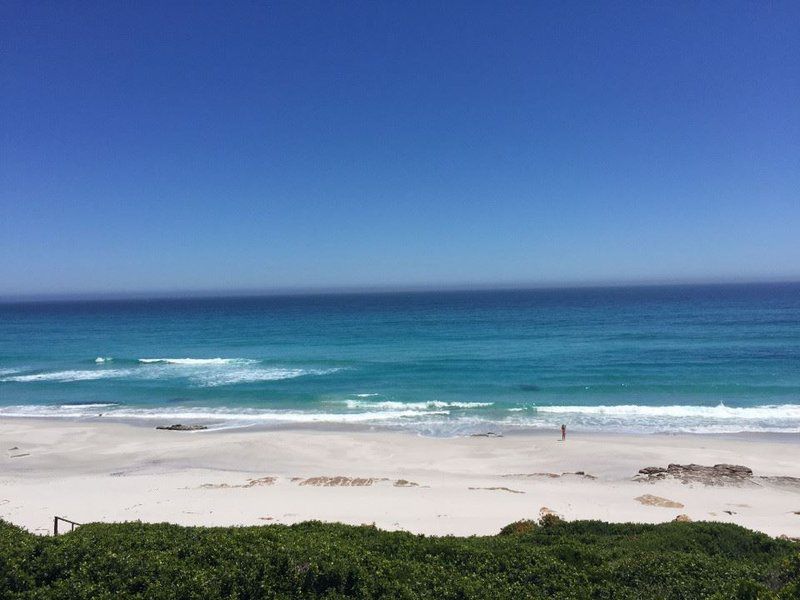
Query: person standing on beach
563	433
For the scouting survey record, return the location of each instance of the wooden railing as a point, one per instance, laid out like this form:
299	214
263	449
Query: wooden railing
72	524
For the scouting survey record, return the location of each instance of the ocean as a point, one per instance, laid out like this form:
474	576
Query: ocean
702	359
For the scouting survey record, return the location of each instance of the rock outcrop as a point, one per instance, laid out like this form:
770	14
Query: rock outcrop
720	474
180	427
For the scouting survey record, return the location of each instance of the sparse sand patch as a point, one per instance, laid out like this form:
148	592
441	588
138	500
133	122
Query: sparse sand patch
578	474
498	489
650	500
261	481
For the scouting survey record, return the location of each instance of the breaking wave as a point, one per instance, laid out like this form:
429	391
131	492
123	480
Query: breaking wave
211	379
200	372
69	375
197	362
249	416
431	405
720	411
455	418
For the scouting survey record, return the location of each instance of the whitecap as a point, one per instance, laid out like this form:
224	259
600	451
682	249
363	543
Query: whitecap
197	361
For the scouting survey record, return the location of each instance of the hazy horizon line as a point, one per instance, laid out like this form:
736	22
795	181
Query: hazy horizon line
244	292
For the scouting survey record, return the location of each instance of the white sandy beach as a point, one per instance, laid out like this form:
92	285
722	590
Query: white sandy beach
95	471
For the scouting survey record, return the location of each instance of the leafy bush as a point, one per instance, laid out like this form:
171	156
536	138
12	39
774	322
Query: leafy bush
557	559
518	527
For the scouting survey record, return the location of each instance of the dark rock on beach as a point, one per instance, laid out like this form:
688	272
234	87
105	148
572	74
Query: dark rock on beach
652	470
720	474
180	427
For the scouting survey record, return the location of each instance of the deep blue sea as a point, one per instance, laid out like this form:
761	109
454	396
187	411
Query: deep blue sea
645	359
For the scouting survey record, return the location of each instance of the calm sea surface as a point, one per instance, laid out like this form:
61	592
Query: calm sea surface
688	358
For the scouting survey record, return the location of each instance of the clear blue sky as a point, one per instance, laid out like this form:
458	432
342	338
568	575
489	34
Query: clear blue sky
257	145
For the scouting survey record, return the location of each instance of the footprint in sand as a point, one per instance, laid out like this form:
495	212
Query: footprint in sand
650	500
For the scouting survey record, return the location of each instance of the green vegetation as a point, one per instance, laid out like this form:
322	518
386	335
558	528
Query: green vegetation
554	559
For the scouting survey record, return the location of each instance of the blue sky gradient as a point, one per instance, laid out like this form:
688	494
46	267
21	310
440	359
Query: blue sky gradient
272	145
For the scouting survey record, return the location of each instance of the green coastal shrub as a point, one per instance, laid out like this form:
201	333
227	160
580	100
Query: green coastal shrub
552	559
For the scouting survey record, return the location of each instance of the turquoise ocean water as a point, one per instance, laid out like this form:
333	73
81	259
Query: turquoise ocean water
647	359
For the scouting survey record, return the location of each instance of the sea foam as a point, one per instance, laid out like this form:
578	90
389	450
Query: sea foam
720	411
69	375
200	372
206	414
402	406
231	377
194	362
448	419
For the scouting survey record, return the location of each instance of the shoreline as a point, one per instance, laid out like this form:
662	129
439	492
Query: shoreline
95	470
215	427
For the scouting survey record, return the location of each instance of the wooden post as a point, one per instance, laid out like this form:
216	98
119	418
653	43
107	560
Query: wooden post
72	524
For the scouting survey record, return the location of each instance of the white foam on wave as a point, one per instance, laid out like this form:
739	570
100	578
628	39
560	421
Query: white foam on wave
439	419
210	372
103	359
195	362
252	416
70	375
430	405
8	372
90	409
772	411
231	377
